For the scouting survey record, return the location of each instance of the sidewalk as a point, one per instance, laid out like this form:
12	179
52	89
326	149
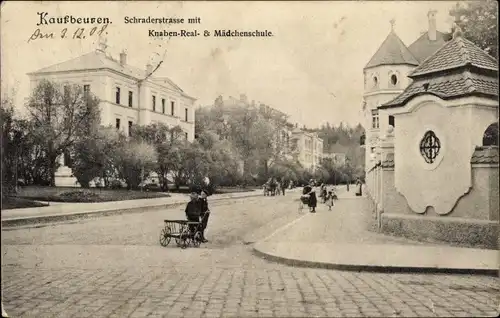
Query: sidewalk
340	239
65	211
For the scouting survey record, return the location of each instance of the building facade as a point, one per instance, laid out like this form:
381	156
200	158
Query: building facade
308	148
433	171
386	76
128	95
337	158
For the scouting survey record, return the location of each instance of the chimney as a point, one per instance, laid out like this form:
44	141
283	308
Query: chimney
123	58
432	25
149	69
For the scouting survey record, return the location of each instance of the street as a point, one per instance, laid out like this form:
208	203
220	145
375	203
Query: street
115	267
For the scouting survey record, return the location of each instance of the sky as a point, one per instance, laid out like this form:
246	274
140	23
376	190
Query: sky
311	69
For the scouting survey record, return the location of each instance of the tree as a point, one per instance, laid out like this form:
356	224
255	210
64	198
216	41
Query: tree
94	156
168	143
134	161
478	21
7	118
222	158
60	118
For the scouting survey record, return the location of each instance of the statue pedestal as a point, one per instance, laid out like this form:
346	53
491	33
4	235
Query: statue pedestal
64	177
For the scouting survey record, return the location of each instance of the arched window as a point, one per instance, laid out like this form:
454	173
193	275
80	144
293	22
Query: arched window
375	81
394	80
490	136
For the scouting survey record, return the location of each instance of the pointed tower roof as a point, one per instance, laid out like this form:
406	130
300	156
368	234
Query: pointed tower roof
392	51
458	69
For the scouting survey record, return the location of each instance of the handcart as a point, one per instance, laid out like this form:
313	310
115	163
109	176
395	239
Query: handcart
185	233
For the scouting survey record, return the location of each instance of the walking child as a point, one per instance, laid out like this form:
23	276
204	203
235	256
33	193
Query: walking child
330	200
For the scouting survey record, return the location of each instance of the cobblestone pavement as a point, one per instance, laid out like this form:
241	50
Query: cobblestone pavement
115	267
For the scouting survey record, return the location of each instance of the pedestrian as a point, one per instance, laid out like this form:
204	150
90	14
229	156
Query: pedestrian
205	214
324	193
330	200
193	210
313	200
283	187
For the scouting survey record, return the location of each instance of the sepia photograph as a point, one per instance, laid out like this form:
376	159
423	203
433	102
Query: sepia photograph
226	159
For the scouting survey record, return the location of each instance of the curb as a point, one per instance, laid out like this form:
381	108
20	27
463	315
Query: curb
60	218
371	268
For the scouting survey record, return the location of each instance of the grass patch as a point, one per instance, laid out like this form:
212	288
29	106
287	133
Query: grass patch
67	194
218	190
19	203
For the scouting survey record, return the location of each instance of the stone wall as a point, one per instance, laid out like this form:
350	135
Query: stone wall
473	221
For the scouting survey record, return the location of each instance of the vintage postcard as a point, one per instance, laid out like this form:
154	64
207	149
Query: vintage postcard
249	159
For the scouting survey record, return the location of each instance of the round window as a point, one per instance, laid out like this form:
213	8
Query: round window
430	146
394	79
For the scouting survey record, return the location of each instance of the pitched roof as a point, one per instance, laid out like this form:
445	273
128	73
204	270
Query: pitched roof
456	53
485	155
99	60
452	71
392	51
423	47
448	87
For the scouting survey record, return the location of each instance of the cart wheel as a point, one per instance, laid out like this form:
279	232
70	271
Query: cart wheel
197	239
184	238
165	236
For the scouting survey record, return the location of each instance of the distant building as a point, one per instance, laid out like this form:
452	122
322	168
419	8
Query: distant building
126	98
283	132
308	148
338	158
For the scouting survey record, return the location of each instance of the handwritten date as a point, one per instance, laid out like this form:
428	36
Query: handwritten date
74	34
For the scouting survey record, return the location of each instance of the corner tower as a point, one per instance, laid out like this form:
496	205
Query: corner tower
385	77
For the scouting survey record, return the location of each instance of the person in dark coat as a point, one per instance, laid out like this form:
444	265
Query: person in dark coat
193	210
205	214
283	186
313	201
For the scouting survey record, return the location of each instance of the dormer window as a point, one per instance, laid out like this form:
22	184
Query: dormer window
394	80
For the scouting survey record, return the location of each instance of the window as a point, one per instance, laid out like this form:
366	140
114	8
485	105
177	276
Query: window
86	93
375	122
172	108
117	123
117	96
185	114
490	136
394	80
430	147
163	105
130	98
186	136
130	128
66	91
375	81
391	121
154	103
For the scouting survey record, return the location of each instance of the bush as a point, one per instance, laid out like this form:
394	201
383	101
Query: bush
115	184
79	196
